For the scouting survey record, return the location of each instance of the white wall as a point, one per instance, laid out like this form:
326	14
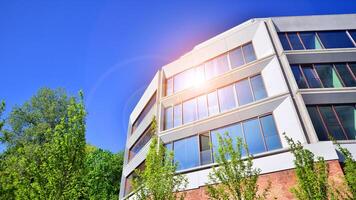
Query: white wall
287	122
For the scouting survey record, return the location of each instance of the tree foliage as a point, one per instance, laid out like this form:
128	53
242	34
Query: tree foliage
46	156
103	176
45	153
158	181
312	176
234	177
349	169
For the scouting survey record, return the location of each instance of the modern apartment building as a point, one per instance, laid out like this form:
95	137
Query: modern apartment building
258	80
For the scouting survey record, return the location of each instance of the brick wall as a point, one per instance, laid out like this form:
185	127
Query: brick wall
280	183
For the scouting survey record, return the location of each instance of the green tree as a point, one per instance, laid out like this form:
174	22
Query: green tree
103	176
45	140
2	108
234	177
158	181
312	176
349	169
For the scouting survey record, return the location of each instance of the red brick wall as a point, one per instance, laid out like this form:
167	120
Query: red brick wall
280	183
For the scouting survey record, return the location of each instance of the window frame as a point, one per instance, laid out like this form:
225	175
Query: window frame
146	109
229	65
317	76
325	127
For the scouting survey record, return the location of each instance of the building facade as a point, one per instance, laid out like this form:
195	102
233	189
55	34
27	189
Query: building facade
258	80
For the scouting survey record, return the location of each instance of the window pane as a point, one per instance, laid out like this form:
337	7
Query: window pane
169	146
312	79
213	106
335	39
143	113
328	75
177	115
186	153
184	80
319	127
353	68
284	41
345	75
168	118
199	75
249	53
205	151
353	34
226	98
347	116
295	41
243	91
253	136
141	142
270	133
258	87
310	40
169	86
234	131
236	58
216	66
202	107
331	122
298	76
189	111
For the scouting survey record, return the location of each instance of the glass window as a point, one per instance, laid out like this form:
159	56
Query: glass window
202	107
186	153
169	86
226	98
216	66
233	131
353	68
236	57
168	118
328	75
144	112
310	40
335	39
331	122
189	111
249	52
311	76
299	78
345	75
295	41
270	133
205	151
141	142
243	91
253	136
130	177
353	34
284	41
200	75
347	116
319	127
184	79
258	87
213	106
177	115
169	146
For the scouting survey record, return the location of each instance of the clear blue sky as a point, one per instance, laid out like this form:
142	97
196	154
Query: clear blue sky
111	49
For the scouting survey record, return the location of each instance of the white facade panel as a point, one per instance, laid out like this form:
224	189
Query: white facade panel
287	122
262	42
273	78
